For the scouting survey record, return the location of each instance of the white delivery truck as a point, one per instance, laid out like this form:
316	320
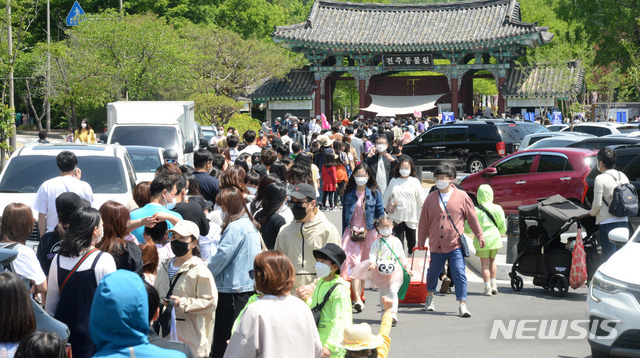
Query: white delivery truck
163	124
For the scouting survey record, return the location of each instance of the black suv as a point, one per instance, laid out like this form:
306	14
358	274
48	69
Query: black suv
469	145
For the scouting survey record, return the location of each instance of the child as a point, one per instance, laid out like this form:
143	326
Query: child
382	267
329	179
342	178
336	313
158	235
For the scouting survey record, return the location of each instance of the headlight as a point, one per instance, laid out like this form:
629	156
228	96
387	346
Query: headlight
602	283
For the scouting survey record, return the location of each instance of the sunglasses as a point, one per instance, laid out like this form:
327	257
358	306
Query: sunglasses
171	161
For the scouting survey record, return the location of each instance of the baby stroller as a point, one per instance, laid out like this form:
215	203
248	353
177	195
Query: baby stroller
541	254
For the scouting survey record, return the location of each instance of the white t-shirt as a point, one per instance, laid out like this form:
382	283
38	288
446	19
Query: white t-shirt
445	199
104	266
250	149
45	202
26	263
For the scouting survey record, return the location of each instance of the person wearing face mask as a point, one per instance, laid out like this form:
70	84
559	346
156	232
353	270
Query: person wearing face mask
240	243
362	204
250	139
403	202
381	162
270	220
163	192
74	276
336	313
85	134
191	289
442	222
309	231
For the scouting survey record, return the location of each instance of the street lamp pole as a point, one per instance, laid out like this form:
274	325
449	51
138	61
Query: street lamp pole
12	140
48	86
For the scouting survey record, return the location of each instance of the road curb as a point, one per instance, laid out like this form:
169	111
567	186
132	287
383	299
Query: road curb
35	134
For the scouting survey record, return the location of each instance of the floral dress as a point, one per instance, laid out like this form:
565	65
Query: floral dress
356	251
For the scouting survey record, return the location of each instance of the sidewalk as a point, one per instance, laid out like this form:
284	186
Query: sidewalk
52	134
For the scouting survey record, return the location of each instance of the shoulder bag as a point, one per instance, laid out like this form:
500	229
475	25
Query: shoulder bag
360	236
463	241
317	310
164	319
406	276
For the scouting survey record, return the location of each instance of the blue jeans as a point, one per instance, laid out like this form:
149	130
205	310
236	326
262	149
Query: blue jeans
457	266
608	247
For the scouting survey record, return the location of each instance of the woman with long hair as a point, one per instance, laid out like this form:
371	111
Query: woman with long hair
85	134
17	225
362	205
262	185
126	254
268	217
16	313
234	177
74	276
239	245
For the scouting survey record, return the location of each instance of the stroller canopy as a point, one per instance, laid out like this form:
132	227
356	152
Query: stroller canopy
554	212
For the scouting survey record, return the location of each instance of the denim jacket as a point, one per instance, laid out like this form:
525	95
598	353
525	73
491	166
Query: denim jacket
239	245
373	209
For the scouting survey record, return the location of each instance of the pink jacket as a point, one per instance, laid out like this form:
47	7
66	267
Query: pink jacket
435	225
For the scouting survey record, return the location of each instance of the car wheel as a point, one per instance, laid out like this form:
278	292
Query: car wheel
475	165
559	285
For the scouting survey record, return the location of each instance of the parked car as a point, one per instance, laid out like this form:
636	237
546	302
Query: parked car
600	129
530	139
107	168
601	142
613	302
469	145
554	142
145	161
557	127
524	177
208	132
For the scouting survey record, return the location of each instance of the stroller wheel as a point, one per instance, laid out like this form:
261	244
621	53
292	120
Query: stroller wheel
516	283
559	285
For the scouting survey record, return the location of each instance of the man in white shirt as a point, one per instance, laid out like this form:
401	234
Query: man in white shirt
250	138
68	181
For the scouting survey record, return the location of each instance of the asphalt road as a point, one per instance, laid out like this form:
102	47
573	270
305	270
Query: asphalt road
443	334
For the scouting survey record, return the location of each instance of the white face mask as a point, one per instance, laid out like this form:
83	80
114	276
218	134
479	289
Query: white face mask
405	172
252	190
361	181
84	125
442	184
381	148
322	269
172	204
223	215
385	232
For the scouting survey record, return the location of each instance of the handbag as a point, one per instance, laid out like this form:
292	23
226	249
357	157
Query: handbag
578	274
360	236
406	276
463	241
164	319
317	310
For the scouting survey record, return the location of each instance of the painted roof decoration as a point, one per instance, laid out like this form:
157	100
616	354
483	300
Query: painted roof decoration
545	81
296	85
338	26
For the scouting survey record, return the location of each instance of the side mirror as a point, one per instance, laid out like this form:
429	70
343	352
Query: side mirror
619	235
203	142
490	172
188	147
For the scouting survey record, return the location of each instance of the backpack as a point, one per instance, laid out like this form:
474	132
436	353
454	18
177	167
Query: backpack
625	199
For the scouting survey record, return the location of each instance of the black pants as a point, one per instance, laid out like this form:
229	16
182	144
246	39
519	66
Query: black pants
330	195
401	230
229	307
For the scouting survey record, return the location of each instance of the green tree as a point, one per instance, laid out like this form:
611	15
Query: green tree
250	18
213	109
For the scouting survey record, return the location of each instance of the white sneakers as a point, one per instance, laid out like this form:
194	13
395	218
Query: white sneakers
494	287
463	311
428	304
487	291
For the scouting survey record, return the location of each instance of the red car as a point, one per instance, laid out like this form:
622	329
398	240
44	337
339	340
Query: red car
524	177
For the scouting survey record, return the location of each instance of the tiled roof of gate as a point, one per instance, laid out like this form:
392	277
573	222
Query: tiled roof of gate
545	81
296	85
476	24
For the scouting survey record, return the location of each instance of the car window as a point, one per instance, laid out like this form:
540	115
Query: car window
482	133
628	129
550	142
455	134
434	135
27	173
535	128
512	133
150	136
630	165
517	165
534	139
553	163
145	161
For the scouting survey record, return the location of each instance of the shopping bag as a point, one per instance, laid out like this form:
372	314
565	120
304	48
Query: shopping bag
578	273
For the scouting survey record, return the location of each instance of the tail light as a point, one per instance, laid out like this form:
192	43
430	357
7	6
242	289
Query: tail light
501	148
586	186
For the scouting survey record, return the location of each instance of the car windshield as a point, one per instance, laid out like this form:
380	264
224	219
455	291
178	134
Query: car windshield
628	129
207	134
550	143
145	160
512	133
151	136
27	173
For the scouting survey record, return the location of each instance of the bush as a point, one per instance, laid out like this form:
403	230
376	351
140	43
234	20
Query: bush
243	122
28	127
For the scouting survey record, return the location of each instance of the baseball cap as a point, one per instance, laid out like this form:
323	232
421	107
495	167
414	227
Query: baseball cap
186	228
303	191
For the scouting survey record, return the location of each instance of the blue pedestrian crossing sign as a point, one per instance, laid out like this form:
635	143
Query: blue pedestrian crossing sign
557	117
447	117
75	15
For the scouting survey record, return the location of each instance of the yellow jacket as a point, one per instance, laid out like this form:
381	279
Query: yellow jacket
85	136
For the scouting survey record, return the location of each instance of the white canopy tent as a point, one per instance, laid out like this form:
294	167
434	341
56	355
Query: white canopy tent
391	106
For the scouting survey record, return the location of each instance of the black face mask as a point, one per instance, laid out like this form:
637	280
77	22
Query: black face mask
179	248
299	211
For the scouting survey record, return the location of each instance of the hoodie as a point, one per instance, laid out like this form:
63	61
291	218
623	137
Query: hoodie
119	319
492	233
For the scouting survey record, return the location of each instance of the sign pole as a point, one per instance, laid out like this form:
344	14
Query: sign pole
48	86
12	139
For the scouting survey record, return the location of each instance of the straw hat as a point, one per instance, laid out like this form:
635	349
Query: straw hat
358	337
325	141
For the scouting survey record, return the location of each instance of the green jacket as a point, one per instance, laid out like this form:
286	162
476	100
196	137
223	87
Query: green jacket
335	315
492	234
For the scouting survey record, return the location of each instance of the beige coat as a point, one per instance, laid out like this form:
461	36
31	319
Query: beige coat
317	233
198	301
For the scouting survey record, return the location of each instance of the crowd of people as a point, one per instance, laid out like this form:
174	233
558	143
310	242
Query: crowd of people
235	255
